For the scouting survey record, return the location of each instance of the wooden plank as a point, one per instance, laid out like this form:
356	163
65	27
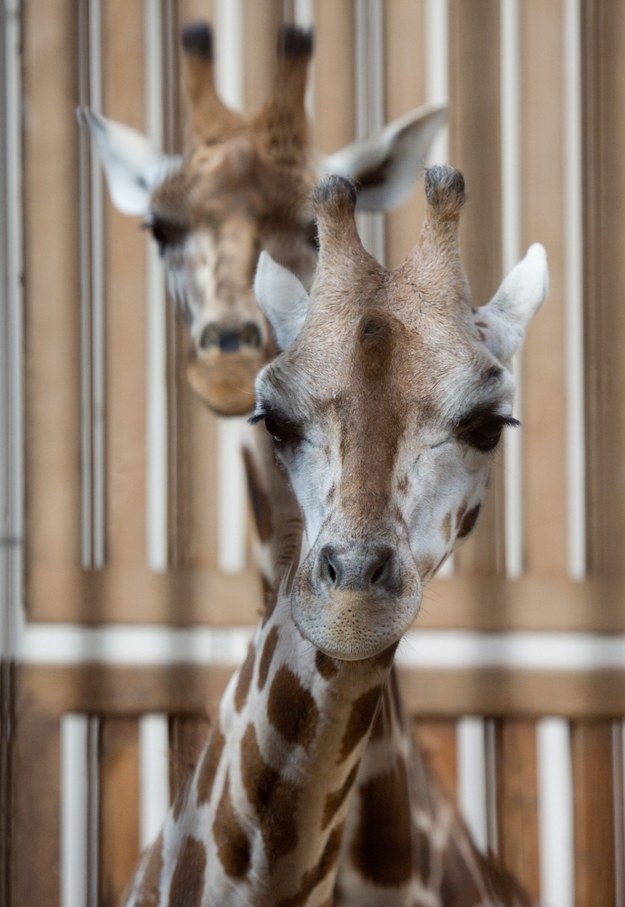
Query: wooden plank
603	81
334	75
544	367
405	88
439	694
187	737
35	844
437	739
125	295
474	125
594	796
118	760
52	321
517	800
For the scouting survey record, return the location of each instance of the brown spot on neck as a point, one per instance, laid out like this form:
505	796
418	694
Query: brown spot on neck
233	846
151	878
245	679
335	799
359	721
209	765
266	658
291	709
187	882
312	878
326	666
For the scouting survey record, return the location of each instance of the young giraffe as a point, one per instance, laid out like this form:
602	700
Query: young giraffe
263	820
220	368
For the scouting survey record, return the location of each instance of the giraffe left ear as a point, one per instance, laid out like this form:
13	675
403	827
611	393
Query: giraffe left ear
522	292
282	298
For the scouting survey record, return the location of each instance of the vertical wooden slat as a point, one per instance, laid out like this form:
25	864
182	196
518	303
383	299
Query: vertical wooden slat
334	79
474	49
51	287
187	736
125	293
603	34
405	89
118	754
437	738
591	754
544	371
36	840
517	800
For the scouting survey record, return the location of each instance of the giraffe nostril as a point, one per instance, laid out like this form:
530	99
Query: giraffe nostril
250	335
210	337
380	568
328	567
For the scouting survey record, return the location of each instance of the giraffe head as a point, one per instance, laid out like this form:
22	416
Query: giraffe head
386	407
242	186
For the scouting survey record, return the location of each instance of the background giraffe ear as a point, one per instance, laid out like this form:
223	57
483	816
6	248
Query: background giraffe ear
386	167
282	298
505	318
133	168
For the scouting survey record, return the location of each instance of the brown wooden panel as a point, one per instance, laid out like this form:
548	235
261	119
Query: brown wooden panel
126	317
187	737
594	794
439	694
52	322
405	88
517	800
118	760
35	844
474	49
334	76
437	738
604	190
544	375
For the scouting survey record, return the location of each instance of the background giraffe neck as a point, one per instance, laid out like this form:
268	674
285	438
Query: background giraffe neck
261	821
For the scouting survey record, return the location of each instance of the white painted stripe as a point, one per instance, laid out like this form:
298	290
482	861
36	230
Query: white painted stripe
156	302
427	649
555	813
74	811
437	69
573	291
231	497
471	755
11	343
228	25
511	252
154	794
304	13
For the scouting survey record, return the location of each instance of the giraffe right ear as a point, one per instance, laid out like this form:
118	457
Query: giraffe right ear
282	298
133	168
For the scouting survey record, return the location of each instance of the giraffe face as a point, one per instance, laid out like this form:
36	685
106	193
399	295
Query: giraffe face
386	411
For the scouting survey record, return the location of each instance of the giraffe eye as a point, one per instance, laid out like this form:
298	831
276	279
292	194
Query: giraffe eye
283	431
482	429
165	232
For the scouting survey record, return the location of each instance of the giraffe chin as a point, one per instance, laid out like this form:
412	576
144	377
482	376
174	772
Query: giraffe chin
225	382
353	626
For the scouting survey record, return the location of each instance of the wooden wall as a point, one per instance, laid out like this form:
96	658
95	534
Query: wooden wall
535	92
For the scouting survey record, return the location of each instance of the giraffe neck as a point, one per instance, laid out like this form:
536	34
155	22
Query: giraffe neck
261	821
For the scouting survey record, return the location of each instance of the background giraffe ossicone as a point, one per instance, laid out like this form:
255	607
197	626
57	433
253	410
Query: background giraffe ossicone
243	185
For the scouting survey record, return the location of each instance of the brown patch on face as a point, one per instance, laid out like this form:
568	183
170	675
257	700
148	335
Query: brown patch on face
446	527
403	484
359	721
150	881
245	679
291	709
468	521
187	882
336	798
375	343
259	499
209	766
274	800
265	659
233	846
381	849
326	666
331	494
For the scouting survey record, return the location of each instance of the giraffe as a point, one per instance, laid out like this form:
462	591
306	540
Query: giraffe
224	152
267	816
243	185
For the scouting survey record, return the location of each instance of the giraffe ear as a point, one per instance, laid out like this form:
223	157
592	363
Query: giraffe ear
386	167
505	318
282	298
133	168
